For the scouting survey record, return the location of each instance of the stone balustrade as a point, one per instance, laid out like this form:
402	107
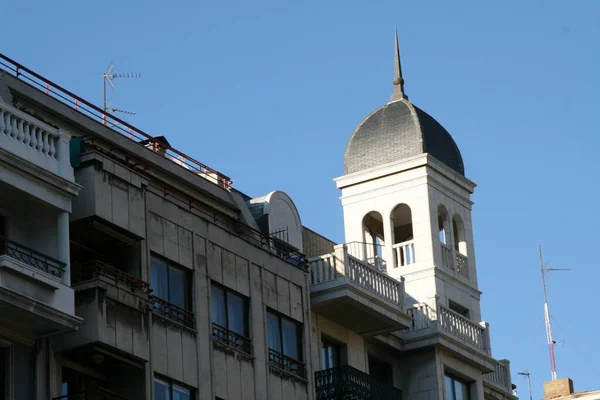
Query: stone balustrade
500	378
341	265
404	253
35	141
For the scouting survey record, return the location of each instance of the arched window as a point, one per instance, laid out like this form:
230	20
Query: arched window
443	231
402	230
374	239
458	231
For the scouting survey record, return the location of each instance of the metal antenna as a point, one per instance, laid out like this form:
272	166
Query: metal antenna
551	342
109	76
528	375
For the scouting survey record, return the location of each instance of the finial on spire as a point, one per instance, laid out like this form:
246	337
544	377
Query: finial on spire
398	80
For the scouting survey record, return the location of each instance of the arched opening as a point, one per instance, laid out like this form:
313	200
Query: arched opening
445	237
458	233
374	240
402	229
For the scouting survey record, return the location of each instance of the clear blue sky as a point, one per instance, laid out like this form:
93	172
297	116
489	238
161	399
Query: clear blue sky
269	92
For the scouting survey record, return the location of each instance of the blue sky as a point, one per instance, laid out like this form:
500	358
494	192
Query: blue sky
268	92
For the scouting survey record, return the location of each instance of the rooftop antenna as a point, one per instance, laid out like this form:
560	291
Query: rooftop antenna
109	76
528	375
551	342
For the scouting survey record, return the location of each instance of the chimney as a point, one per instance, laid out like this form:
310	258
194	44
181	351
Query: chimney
558	388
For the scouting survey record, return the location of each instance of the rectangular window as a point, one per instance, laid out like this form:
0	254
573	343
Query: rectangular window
456	389
285	343
454	306
171	289
330	354
167	390
230	318
4	360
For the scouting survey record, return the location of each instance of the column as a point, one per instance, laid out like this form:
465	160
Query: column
63	245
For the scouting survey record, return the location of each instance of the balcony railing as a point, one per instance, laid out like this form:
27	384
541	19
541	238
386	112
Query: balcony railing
501	376
98	394
458	263
231	338
462	265
404	253
31	257
346	382
170	311
451	322
368	252
340	264
287	364
94	269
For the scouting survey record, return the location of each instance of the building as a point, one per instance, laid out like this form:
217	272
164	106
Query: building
562	389
129	270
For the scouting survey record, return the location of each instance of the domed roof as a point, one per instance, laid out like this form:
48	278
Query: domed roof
396	131
399	130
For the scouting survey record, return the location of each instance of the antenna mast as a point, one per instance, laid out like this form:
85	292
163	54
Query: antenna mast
109	76
551	342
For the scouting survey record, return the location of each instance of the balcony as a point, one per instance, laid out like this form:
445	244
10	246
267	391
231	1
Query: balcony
349	383
355	294
98	394
404	253
436	324
459	263
33	298
174	313
31	139
287	364
114	306
500	379
231	339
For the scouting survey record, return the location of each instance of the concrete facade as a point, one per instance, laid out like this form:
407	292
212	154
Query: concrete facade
173	283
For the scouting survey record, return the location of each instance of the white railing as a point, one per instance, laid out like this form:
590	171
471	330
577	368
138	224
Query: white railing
404	253
452	322
340	264
368	252
447	258
501	376
462	265
35	141
460	327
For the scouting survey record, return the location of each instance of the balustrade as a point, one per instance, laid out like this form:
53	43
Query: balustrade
404	253
34	140
501	376
332	266
462	265
31	257
447	259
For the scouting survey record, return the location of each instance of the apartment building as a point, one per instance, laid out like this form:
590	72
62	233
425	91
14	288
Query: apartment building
129	270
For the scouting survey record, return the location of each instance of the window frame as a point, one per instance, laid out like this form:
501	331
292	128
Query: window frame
278	358
224	334
171	385
454	380
326	343
165	307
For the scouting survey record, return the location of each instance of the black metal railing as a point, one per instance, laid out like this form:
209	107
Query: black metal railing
31	257
93	269
287	364
231	338
98	394
170	311
346	382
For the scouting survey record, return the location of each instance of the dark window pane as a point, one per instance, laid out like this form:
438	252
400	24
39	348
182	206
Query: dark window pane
161	390
449	388
160	280
290	339
237	314
462	390
177	288
330	355
180	393
217	303
273	334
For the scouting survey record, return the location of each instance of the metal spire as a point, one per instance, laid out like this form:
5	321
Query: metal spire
398	80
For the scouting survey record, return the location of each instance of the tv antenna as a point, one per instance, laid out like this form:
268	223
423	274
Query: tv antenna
551	342
528	376
108	77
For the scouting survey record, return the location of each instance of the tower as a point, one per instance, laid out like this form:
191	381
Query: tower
406	203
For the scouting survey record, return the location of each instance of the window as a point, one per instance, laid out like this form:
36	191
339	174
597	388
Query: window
458	308
330	354
171	289
230	318
285	344
3	234
380	371
456	389
4	373
166	390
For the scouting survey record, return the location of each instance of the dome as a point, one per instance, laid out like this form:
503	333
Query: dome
396	131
